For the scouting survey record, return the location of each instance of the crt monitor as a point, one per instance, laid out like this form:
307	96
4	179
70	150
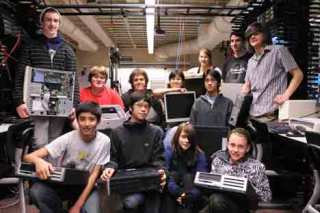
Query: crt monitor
210	138
240	111
178	106
231	90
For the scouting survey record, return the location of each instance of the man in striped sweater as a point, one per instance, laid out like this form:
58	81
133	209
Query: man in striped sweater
49	51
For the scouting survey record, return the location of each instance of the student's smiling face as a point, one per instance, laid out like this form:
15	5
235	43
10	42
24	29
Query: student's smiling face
87	124
238	147
50	24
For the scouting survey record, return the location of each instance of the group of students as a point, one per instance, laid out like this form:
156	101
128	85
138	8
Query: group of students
138	143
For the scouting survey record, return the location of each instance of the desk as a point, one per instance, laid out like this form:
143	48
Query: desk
297	139
289	153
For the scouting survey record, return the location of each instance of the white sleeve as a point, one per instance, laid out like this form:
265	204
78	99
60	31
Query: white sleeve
104	154
57	147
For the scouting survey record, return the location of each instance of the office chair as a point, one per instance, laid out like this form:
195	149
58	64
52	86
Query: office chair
211	138
26	137
313	139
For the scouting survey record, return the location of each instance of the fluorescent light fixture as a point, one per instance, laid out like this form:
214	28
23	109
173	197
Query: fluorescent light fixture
150	12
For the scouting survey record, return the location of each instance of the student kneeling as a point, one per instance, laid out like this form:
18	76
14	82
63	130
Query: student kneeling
83	149
236	161
137	144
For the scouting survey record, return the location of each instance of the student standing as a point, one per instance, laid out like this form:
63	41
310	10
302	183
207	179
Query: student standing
266	76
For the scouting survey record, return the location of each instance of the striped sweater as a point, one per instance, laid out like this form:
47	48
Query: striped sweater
248	167
36	54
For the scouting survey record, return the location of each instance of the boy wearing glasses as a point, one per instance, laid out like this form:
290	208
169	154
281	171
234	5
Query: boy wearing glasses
137	144
211	109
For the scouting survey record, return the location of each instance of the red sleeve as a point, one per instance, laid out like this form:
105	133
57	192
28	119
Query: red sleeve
116	99
84	95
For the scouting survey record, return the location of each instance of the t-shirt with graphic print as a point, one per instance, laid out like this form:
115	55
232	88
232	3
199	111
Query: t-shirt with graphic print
73	152
234	69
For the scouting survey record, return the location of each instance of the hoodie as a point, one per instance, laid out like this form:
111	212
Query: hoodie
205	112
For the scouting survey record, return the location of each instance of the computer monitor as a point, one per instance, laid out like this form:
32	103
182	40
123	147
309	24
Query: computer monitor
210	138
231	90
112	117
240	111
262	132
178	106
195	84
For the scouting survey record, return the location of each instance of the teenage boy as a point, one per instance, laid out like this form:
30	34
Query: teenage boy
49	51
237	161
84	149
267	74
211	109
234	68
137	144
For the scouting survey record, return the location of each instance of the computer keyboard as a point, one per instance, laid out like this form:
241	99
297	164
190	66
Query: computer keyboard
279	127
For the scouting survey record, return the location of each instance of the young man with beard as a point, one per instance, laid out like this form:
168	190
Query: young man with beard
137	144
82	149
234	68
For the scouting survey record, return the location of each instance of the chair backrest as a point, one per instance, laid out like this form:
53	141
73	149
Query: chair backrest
313	138
210	138
26	141
262	132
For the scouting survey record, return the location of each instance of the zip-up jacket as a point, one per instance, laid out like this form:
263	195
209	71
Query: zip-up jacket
36	54
203	113
136	145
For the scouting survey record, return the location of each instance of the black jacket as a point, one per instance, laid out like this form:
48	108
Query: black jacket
36	54
155	104
135	145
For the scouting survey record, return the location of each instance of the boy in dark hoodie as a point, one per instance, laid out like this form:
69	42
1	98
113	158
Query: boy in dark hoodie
211	109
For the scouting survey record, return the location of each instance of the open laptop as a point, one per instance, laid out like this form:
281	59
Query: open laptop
178	106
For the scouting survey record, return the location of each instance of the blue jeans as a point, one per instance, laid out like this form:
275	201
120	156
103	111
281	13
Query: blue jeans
222	203
48	198
148	201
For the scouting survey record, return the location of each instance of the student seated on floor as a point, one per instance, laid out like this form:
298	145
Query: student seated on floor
183	160
137	144
236	161
83	149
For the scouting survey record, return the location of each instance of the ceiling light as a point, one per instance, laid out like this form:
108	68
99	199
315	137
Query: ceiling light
150	24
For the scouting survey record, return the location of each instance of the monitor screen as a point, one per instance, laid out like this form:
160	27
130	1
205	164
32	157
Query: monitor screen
178	106
240	111
210	138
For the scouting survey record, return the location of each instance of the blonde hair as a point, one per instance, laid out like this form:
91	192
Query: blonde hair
97	70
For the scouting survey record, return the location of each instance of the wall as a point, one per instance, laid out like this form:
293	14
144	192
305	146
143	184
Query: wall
156	73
